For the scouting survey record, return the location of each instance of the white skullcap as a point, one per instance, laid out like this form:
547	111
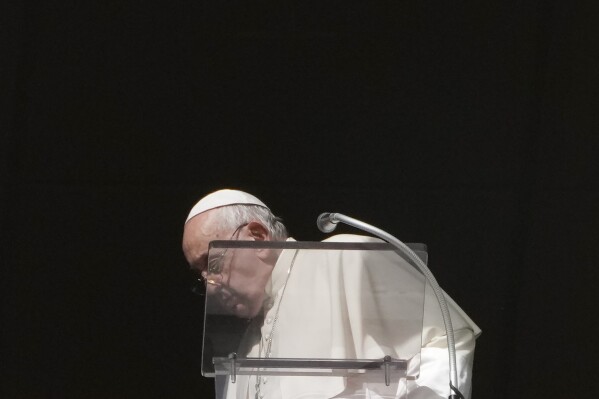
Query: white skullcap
223	198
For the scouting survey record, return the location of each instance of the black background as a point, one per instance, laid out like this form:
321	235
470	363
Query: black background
468	126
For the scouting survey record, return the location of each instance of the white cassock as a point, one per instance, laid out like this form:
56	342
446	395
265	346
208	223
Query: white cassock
328	311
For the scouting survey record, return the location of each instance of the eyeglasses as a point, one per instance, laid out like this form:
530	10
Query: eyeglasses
214	268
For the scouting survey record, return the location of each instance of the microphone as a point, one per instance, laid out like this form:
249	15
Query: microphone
327	222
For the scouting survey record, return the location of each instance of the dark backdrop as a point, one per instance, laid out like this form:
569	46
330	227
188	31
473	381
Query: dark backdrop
468	126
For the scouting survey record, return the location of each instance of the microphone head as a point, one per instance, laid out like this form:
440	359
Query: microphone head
326	222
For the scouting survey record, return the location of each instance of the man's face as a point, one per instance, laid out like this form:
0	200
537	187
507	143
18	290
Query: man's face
241	275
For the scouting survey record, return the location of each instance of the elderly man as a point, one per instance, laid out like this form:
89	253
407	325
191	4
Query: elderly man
256	287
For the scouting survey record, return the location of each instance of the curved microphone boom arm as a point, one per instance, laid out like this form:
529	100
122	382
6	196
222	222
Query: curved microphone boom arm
327	222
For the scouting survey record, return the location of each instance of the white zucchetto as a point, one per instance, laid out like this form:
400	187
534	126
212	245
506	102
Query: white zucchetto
223	198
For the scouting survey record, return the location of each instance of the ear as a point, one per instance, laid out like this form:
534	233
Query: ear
258	231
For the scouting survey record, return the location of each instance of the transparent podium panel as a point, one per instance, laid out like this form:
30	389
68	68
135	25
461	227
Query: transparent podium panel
332	319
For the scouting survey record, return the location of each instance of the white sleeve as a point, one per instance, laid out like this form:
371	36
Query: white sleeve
433	382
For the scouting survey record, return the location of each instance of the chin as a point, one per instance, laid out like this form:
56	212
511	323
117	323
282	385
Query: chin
245	312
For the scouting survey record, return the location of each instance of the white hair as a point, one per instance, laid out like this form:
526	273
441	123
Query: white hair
228	218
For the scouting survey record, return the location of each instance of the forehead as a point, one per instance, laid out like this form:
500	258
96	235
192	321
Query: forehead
197	234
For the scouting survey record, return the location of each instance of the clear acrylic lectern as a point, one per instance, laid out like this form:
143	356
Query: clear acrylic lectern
335	319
